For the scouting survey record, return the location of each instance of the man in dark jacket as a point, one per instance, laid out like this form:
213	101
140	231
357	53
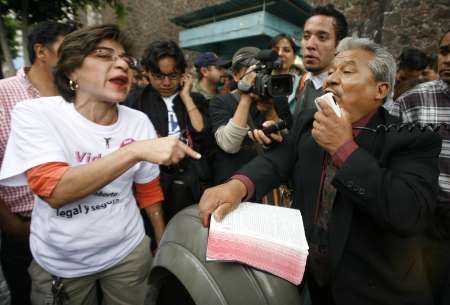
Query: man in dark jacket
174	111
365	196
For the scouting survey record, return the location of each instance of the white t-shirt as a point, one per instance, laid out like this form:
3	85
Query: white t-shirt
174	127
96	232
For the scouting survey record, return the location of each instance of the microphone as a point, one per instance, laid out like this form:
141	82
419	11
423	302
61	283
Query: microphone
266	55
280	125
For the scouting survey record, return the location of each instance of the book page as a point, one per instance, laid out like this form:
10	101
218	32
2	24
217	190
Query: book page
283	226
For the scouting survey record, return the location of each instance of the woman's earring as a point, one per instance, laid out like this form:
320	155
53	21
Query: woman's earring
73	85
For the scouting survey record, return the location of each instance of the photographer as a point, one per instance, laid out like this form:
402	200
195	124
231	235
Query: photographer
236	113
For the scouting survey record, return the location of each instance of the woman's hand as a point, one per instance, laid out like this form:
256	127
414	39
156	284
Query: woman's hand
165	151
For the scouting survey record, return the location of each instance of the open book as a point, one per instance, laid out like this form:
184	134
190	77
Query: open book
263	236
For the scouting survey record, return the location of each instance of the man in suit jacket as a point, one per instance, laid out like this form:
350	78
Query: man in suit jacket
365	196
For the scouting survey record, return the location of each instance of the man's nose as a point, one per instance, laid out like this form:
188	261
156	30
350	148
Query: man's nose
447	59
331	80
311	43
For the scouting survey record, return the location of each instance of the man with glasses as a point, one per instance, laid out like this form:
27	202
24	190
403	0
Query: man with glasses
210	69
174	111
16	203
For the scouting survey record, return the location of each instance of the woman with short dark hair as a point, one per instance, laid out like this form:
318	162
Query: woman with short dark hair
82	154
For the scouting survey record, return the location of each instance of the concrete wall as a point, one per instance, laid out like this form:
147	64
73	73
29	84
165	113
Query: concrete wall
397	23
148	20
394	23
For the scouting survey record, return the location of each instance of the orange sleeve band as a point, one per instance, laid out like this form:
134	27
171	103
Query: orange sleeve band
149	193
43	178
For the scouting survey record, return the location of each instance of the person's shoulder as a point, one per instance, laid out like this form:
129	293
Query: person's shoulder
9	82
133	97
197	96
426	88
431	86
49	106
223	104
133	118
228	98
200	100
410	134
131	113
41	103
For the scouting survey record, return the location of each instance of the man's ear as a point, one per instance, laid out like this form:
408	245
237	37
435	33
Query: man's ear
382	90
203	71
40	51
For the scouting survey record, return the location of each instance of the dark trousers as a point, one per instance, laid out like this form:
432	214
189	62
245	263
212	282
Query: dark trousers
437	263
16	257
319	295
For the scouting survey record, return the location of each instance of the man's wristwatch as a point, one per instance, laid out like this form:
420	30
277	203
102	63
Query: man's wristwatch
244	87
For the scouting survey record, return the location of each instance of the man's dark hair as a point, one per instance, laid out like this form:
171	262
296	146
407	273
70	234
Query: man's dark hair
46	33
235	69
340	26
443	35
74	49
433	62
413	58
160	49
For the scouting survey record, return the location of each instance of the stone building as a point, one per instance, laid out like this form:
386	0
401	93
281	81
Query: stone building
394	23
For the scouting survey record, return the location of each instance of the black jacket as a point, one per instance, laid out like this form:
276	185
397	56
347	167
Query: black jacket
192	172
386	192
149	101
221	110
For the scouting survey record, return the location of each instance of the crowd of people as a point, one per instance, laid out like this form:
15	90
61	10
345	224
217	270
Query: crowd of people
99	150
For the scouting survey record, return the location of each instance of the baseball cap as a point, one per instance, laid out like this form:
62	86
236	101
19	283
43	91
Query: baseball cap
210	59
245	56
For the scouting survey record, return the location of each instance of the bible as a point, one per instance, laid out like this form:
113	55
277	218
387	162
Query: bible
266	237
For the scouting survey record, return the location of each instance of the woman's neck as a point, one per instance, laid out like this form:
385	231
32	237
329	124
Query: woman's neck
102	113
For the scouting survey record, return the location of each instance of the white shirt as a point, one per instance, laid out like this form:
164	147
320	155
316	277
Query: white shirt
96	232
318	80
174	127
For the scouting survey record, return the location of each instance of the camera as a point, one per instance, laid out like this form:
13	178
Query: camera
280	125
267	85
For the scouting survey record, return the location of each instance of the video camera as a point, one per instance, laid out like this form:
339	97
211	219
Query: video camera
266	84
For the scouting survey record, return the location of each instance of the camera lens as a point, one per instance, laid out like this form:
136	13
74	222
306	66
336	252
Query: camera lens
280	85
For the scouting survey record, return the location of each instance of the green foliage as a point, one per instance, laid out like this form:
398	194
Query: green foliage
34	11
10	27
40	10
